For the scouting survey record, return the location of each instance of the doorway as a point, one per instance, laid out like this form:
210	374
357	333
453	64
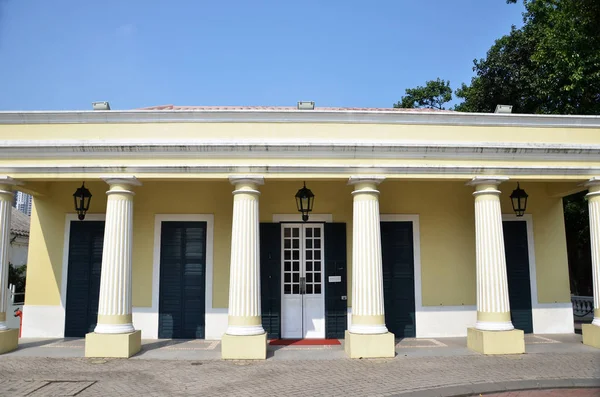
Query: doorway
86	241
302	286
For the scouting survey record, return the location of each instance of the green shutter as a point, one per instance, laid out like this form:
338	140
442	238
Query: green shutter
83	279
336	305
182	280
517	271
270	278
398	278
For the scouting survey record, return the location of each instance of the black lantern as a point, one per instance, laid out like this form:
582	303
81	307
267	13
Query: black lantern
304	201
82	198
519	200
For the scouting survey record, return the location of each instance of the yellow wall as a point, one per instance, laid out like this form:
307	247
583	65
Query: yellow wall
445	209
46	239
310	132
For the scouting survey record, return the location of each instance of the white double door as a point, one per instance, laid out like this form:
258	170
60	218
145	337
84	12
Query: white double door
302	286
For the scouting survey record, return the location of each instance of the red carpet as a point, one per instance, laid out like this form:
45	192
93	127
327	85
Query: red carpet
304	342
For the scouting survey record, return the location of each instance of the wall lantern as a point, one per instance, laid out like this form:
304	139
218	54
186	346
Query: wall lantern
519	200
82	198
304	201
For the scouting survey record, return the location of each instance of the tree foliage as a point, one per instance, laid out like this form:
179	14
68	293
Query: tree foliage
433	95
550	65
16	276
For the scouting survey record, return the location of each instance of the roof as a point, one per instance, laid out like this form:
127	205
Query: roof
19	223
288	108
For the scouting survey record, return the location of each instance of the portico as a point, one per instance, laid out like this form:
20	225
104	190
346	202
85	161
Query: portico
411	235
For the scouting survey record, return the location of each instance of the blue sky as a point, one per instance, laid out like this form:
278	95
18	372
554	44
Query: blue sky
62	55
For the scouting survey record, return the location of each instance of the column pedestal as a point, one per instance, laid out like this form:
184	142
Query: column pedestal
591	332
370	345
114	335
113	345
244	347
245	338
494	332
368	336
9	338
496	342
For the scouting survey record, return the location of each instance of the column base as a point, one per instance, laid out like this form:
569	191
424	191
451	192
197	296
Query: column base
496	342
244	347
113	345
591	335
9	340
370	345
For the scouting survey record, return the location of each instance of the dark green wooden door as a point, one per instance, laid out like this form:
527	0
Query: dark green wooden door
517	271
270	278
182	280
83	279
336	287
398	278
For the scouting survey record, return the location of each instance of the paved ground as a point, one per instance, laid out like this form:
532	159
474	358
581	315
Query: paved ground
422	367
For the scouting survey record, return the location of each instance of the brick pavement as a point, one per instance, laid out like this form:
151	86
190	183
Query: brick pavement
342	377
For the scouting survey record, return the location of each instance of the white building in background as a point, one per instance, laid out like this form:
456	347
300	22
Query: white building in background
19	238
23	202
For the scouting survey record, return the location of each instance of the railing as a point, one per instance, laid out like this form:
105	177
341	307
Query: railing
16	298
583	306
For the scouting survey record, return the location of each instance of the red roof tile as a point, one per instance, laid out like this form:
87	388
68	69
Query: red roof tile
285	108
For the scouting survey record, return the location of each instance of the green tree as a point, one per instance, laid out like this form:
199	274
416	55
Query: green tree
550	65
16	276
434	95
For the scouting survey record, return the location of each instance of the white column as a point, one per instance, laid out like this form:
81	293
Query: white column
368	315
493	308
593	198
244	272
114	310
6	199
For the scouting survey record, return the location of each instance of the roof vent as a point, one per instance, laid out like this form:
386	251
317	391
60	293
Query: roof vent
503	109
104	105
306	105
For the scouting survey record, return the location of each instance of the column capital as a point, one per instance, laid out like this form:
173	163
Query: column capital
593	185
128	180
247	179
370	179
487	180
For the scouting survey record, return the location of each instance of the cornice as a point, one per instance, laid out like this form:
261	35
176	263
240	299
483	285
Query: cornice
297	116
491	171
69	149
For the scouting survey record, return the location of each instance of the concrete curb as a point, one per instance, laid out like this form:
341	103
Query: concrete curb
499	387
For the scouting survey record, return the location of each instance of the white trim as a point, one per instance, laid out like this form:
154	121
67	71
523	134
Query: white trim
278	218
209	219
401	170
346	116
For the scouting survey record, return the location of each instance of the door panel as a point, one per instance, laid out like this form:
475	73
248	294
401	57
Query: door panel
83	277
517	270
398	278
182	280
336	293
303	289
270	278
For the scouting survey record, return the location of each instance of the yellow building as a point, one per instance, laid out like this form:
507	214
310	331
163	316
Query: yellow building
193	230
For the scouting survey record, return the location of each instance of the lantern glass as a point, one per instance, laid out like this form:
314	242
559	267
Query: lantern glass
82	198
519	201
305	201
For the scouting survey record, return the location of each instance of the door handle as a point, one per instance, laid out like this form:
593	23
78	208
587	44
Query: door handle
344	298
302	285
